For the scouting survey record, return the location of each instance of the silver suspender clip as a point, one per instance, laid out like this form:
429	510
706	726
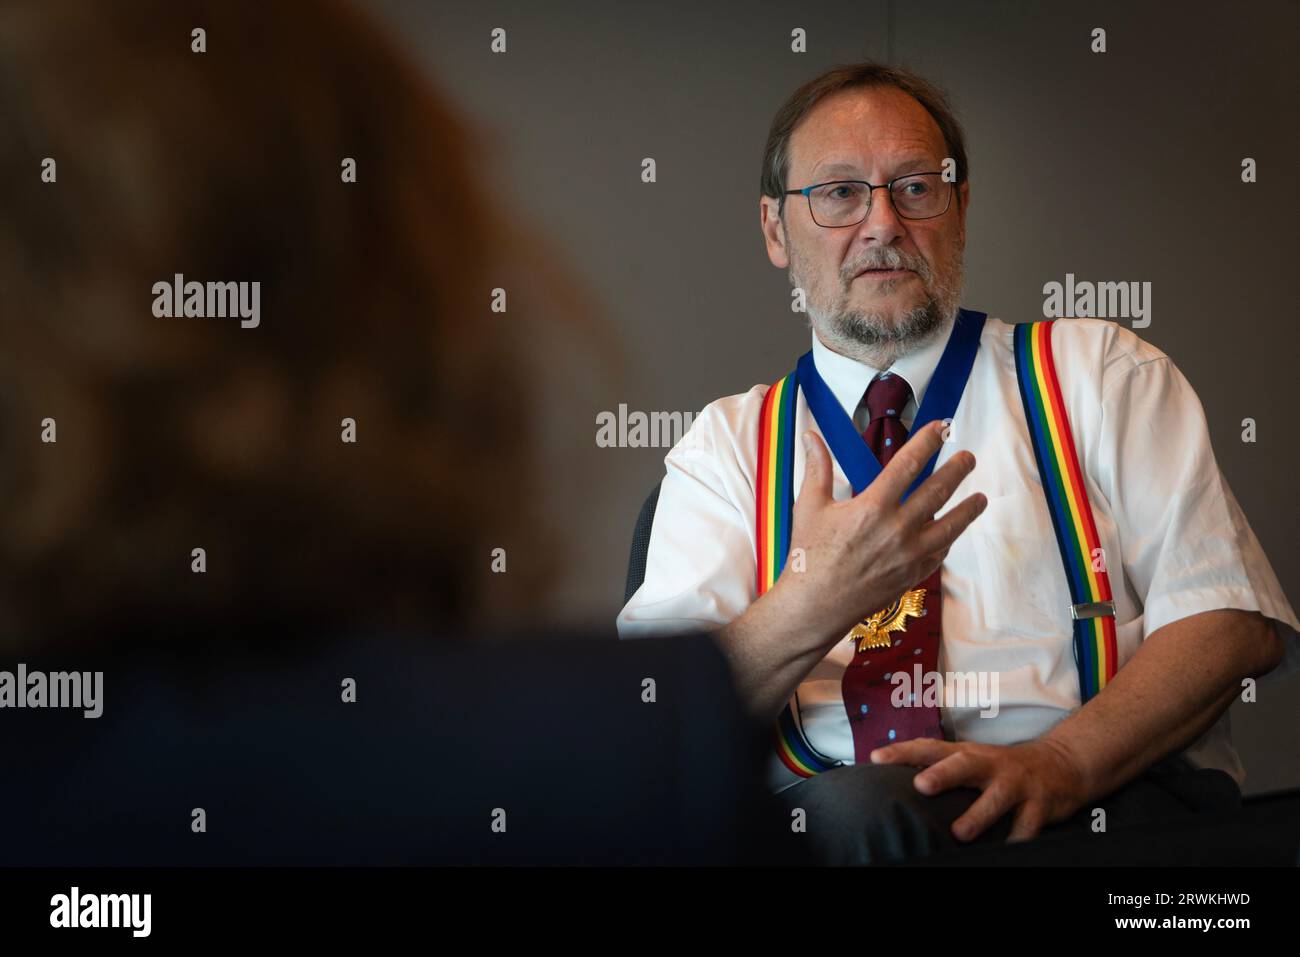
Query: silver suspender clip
1092	609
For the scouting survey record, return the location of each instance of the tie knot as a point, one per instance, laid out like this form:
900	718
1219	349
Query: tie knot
887	396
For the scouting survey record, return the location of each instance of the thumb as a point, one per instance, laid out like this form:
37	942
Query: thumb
816	487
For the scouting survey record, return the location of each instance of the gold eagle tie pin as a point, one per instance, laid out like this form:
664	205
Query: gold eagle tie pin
874	630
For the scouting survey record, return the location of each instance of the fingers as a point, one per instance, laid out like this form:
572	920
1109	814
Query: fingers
961	767
902	470
1029	820
983	814
939	534
818	474
917	751
935	491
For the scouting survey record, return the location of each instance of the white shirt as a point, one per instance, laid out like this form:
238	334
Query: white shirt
1175	540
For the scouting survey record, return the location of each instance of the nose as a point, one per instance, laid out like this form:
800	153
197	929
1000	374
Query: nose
883	224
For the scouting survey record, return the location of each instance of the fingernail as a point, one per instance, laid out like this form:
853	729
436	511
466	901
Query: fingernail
807	441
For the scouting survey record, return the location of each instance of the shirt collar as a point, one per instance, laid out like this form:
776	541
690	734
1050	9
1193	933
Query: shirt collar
848	378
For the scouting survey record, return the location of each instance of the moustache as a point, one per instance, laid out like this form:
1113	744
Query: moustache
891	259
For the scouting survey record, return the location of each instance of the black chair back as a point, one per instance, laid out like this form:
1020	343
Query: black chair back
640	544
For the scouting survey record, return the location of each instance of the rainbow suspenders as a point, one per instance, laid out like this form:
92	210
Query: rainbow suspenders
1092	609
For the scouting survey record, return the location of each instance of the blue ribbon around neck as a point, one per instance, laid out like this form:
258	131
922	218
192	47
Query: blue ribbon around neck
942	397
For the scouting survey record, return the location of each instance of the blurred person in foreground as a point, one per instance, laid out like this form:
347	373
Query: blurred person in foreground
293	693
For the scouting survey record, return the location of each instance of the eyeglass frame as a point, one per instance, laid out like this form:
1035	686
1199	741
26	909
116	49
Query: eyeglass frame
871	189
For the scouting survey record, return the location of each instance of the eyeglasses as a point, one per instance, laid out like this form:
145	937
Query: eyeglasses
846	202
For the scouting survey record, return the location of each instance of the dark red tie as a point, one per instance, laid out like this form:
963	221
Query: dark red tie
867	686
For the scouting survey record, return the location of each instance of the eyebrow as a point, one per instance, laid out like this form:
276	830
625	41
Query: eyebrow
915	164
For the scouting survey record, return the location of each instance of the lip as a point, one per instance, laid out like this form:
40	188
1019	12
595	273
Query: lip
884	273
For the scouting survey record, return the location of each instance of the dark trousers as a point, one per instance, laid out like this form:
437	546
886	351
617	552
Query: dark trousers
873	814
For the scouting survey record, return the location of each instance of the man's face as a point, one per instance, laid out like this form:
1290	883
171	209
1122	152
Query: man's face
873	135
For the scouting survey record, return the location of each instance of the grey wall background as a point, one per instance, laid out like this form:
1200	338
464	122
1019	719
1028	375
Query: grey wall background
1117	166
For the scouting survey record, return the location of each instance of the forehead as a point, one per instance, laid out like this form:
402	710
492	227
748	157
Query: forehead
863	128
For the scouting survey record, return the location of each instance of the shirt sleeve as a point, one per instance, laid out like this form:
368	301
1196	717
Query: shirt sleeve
1187	547
700	565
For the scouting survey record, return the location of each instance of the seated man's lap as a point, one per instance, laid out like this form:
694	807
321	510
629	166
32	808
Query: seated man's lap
863	814
866	814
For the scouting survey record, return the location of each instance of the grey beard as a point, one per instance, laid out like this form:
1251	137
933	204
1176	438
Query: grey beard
869	337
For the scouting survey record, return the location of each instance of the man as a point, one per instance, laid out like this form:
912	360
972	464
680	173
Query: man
865	194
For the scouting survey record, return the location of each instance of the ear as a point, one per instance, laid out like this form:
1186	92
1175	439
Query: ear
773	232
963	193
